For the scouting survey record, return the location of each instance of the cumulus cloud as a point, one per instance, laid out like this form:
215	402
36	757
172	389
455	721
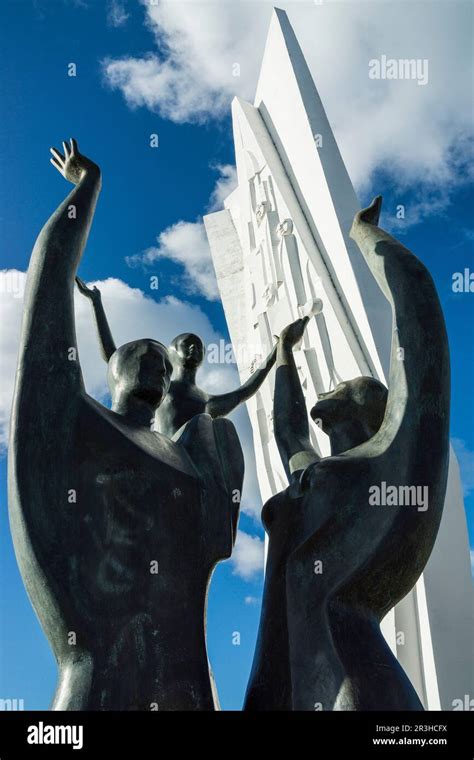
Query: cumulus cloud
248	557
132	314
192	76
186	244
226	182
208	52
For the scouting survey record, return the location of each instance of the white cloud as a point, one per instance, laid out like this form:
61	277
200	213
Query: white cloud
186	244
251	601
417	134
466	464
116	14
248	556
132	314
194	77
224	186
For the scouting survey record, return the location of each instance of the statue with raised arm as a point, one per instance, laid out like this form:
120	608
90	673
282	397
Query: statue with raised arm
117	528
184	398
351	535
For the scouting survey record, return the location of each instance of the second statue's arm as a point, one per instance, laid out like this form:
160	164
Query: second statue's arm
220	406
290	416
106	341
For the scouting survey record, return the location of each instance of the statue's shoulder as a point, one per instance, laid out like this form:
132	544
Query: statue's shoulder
102	430
214	448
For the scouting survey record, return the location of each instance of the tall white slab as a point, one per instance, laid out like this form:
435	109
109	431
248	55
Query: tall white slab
280	244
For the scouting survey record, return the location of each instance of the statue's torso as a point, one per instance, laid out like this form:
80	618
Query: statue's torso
125	540
182	403
336	564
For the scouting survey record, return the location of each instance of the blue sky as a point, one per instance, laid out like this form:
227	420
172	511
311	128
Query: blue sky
147	191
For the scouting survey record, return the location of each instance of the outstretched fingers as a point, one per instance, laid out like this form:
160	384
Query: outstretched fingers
57	155
57	160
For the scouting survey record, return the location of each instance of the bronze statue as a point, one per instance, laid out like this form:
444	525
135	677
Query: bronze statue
117	528
338	560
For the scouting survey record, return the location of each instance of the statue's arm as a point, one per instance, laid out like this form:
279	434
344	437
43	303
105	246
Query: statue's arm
419	383
106	341
290	416
220	406
48	349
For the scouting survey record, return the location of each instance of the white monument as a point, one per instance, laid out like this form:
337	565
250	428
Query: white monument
281	249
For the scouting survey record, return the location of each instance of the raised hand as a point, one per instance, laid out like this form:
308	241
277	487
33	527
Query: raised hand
369	215
92	293
293	333
73	165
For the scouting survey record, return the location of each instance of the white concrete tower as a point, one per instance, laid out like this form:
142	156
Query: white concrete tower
281	248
